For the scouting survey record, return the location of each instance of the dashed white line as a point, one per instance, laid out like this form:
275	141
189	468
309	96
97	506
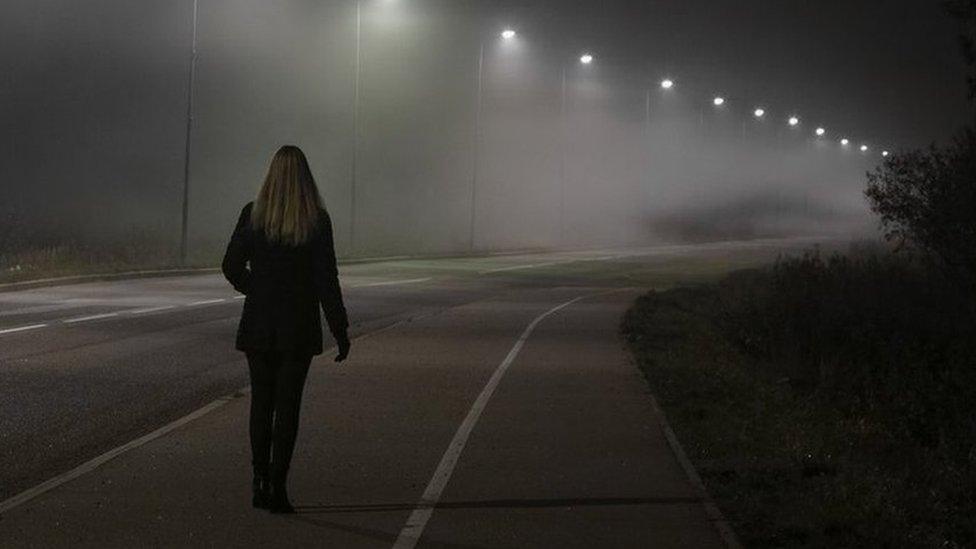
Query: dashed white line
417	521
88	318
392	283
520	267
152	310
22	329
205	302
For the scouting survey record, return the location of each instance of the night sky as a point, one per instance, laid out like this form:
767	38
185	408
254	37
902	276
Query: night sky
888	69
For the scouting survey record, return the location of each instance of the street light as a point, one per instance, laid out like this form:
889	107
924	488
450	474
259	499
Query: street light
667	83
845	142
885	154
759	113
508	34
718	101
586	59
864	148
820	132
794	121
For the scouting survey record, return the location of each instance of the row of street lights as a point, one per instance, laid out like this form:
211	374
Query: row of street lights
760	113
667	84
508	34
718	101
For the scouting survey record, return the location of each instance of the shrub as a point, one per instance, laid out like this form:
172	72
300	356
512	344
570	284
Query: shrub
927	200
868	332
827	401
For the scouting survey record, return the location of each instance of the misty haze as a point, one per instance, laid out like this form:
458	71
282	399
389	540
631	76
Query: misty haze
445	251
412	128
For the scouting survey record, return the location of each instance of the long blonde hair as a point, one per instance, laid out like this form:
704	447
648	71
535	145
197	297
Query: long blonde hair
287	208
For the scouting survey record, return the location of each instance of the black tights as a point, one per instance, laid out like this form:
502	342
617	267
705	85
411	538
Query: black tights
277	381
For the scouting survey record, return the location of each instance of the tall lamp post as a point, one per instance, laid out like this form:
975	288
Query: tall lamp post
354	169
563	129
189	133
476	155
507	35
585	59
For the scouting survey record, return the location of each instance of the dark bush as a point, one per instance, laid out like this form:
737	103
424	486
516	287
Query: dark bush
869	332
828	401
927	200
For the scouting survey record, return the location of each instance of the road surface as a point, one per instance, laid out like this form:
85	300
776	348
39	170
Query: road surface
487	403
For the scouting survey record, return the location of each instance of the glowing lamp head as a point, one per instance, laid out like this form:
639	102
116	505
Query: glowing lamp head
864	148
885	154
718	101
845	142
586	59
793	121
508	34
820	132
667	83
759	113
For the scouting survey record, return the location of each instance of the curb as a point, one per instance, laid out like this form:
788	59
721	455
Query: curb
715	515
161	273
80	279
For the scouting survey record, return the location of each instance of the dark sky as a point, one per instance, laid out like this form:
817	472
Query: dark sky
887	70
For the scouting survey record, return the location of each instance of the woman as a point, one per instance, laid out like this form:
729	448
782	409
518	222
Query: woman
282	257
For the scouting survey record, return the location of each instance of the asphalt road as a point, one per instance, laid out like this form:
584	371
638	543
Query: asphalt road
85	368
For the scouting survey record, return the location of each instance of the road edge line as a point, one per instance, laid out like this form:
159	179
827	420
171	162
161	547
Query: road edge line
413	529
714	514
94	463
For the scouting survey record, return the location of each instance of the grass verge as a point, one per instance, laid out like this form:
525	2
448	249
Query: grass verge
825	403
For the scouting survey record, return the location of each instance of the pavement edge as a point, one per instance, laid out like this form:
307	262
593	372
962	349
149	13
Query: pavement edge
715	515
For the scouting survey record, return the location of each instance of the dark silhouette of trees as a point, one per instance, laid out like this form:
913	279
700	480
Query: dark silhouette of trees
965	12
926	199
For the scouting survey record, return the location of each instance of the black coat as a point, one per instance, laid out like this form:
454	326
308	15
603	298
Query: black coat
284	286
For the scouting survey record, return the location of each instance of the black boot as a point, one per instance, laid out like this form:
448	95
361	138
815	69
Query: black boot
278	502
261	490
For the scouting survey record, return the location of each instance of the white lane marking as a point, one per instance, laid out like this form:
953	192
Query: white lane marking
715	515
93	464
97	462
240	297
205	302
71	304
87	318
152	310
22	329
392	283
520	267
414	528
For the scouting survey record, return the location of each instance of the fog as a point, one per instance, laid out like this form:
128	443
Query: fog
427	132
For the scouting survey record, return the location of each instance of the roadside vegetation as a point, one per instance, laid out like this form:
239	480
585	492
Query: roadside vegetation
830	400
52	252
826	401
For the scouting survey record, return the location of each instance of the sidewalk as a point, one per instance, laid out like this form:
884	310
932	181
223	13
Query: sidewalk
568	452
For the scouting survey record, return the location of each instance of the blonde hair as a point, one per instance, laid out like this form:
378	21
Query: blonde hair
287	208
